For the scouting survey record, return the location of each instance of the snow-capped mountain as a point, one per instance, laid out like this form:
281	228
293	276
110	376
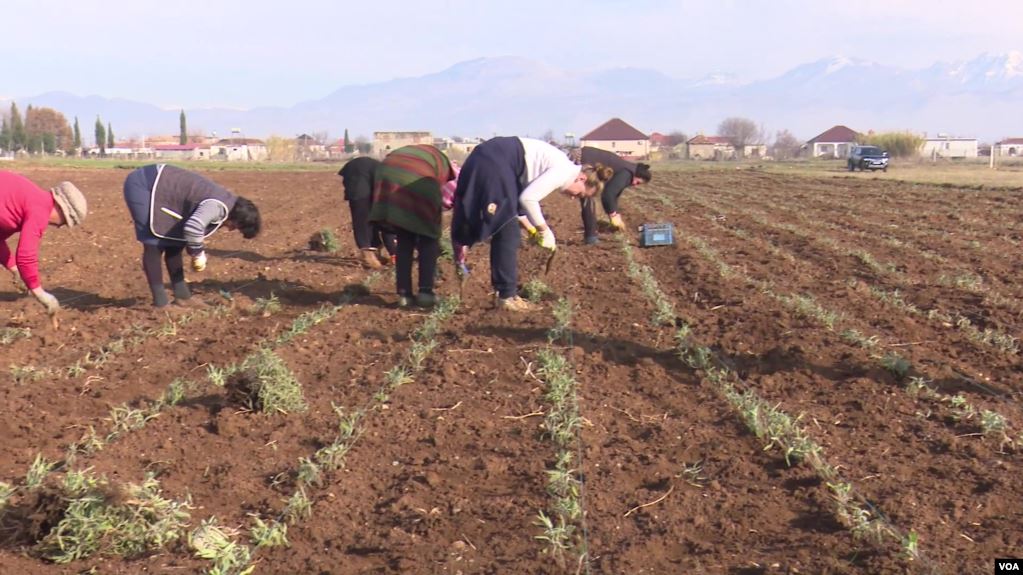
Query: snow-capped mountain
980	97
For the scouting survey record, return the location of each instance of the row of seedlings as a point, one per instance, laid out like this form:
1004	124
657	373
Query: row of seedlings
221	546
960	409
564	524
272	388
771	425
988	337
962	279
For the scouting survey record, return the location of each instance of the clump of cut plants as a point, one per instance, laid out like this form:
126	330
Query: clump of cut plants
264	383
324	241
265	306
217	544
535	290
11	334
86	515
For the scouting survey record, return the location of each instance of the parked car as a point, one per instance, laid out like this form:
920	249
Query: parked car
868	158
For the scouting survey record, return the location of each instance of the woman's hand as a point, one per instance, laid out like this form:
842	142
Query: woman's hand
48	301
547	241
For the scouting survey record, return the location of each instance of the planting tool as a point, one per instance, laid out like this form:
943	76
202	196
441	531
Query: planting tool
462	271
550	260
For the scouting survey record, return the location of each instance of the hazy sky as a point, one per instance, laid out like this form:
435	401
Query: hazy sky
248	53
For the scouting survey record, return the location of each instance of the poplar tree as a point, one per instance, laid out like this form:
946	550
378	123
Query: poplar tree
183	137
78	136
5	136
101	137
17	129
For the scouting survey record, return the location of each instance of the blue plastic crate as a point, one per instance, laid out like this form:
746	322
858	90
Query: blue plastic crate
656	235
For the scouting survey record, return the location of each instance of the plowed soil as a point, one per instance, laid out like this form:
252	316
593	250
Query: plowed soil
449	472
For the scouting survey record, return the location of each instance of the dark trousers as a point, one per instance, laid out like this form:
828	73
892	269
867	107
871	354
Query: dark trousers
504	259
366	234
589	213
429	251
154	273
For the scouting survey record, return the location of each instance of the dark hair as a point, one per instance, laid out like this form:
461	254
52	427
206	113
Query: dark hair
245	216
643	172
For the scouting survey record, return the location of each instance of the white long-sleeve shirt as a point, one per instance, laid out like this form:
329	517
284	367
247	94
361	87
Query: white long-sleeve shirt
547	169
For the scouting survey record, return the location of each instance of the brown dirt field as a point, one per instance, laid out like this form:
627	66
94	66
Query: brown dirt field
449	473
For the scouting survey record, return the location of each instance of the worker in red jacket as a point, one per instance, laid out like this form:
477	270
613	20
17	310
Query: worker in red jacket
26	209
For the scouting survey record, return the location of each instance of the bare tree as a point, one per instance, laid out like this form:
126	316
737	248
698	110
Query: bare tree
677	137
786	146
280	149
741	132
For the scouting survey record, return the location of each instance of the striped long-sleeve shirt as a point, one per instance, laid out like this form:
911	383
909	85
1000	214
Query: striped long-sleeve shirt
208	213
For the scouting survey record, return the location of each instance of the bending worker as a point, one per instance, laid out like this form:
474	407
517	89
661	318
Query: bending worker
626	174
174	210
27	210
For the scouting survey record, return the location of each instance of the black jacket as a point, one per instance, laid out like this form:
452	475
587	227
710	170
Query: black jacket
358	177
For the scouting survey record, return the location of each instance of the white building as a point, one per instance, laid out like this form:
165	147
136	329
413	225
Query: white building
239	150
1011	147
945	146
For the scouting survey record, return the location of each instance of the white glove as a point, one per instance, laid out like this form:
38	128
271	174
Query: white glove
47	300
199	261
547	240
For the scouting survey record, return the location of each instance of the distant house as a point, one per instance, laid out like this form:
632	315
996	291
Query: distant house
1012	147
709	148
833	143
239	150
457	146
945	146
176	151
385	142
131	149
309	148
659	140
616	136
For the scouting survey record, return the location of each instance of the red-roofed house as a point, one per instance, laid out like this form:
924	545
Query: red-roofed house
710	148
177	151
616	136
1009	147
833	143
659	140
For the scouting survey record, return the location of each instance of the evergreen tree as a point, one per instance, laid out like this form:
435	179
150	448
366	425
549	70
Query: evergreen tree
5	136
17	129
183	137
49	143
101	137
110	136
349	148
78	135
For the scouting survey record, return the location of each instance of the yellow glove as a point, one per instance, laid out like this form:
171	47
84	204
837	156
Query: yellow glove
199	261
616	222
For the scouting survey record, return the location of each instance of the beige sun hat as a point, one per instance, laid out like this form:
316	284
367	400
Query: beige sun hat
71	202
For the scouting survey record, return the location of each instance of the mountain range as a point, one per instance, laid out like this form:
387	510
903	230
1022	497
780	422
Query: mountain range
981	97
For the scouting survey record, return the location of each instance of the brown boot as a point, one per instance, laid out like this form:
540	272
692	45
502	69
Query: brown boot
370	259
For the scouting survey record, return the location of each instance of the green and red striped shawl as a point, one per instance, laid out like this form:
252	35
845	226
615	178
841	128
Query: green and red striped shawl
408	189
